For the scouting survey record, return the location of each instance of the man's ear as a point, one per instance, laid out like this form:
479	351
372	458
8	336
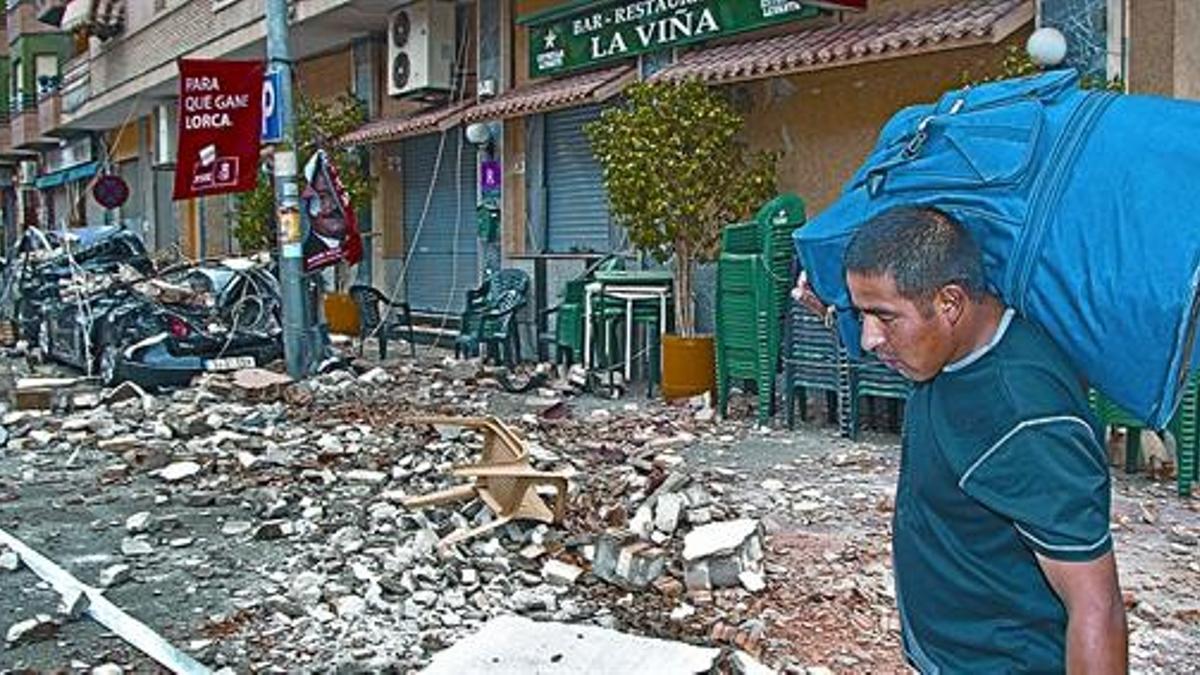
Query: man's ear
950	302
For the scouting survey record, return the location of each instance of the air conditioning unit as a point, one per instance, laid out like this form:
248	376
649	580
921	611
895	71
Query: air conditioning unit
421	47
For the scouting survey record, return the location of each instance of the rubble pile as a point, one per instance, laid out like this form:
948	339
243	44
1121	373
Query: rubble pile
261	524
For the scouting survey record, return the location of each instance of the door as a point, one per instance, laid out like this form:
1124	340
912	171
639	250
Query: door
577	217
441	241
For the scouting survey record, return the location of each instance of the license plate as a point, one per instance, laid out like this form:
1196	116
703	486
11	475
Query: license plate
229	363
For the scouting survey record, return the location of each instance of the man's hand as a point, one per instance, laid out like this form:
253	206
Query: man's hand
1097	637
804	295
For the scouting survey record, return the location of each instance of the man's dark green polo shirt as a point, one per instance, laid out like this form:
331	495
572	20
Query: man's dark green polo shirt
999	461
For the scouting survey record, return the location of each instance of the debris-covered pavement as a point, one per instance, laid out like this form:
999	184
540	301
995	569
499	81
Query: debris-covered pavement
260	525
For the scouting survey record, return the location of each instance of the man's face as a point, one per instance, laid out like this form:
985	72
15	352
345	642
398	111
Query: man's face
894	328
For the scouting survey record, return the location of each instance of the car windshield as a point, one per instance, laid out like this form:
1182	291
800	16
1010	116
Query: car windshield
206	279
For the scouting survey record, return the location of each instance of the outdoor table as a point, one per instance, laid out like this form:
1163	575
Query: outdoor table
629	287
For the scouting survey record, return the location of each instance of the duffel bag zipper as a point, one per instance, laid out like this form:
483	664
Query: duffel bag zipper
1045	194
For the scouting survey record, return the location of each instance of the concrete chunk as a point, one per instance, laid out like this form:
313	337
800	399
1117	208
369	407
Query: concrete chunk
114	575
39	628
718	538
178	471
625	560
234	528
513	644
560	573
138	522
666	512
724	555
136	546
73	604
273	529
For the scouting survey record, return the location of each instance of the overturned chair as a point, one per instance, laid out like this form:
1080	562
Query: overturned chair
503	479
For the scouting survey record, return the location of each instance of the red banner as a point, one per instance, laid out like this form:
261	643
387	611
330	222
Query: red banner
332	226
220	126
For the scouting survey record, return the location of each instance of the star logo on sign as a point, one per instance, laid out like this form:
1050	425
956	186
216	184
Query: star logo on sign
550	40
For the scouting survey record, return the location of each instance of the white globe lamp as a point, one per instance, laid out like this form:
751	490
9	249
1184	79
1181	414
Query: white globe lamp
1046	47
479	133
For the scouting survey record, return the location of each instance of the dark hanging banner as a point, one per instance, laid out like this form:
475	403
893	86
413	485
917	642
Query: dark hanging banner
332	226
220	126
562	41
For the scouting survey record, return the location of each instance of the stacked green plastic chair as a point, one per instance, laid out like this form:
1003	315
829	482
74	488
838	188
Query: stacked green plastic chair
869	377
1184	426
814	360
753	282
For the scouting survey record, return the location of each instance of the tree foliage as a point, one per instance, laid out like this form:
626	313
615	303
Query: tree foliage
318	125
1017	63
676	174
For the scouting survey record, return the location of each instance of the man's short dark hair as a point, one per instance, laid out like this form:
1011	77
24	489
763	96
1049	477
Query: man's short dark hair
922	248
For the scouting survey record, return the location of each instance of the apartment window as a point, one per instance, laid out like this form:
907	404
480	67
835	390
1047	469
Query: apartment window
17	87
45	73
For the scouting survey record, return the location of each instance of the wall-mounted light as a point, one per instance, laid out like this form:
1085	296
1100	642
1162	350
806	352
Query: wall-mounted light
1046	47
479	134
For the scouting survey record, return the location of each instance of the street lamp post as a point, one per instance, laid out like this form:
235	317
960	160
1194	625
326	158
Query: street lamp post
297	345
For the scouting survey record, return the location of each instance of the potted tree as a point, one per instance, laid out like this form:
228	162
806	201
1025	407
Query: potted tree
676	174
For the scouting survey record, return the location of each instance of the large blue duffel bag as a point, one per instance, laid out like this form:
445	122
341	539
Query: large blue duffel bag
1086	205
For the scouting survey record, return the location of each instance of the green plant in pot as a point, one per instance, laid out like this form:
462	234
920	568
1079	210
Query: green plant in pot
676	174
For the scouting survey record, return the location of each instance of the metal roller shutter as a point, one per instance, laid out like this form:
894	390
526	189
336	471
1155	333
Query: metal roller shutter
577	205
444	263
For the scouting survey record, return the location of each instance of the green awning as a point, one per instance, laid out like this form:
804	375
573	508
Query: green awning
70	175
82	171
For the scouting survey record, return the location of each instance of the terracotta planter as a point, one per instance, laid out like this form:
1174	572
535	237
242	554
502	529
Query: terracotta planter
688	366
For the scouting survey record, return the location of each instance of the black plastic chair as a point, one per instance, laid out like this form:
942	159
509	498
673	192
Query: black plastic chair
368	300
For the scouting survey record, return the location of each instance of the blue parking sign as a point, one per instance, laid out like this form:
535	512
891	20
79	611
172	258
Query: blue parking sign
272	117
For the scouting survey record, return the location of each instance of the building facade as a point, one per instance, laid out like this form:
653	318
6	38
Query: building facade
90	89
813	85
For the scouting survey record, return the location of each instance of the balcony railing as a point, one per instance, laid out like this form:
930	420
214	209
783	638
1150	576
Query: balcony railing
23	120
6	146
19	102
76	83
49	110
24	127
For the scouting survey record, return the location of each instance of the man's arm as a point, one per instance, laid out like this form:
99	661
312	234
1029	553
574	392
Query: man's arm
803	294
1097	638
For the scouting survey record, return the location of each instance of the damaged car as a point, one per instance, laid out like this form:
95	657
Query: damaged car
93	301
164	330
203	318
48	260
